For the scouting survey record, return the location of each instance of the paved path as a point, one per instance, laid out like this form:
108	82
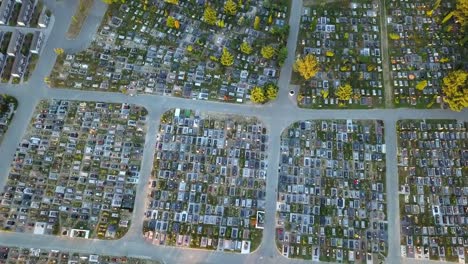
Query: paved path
286	70
276	117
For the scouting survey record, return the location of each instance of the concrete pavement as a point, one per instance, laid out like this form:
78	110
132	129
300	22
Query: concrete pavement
276	117
286	70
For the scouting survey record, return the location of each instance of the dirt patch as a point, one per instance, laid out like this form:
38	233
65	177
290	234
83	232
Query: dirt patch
79	18
323	2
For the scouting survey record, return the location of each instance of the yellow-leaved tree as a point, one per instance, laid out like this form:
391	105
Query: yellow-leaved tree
245	48
344	92
257	23
307	67
220	23
257	95
421	85
227	59
271	91
59	51
210	15
461	12
174	2
394	36
268	52
230	7
455	89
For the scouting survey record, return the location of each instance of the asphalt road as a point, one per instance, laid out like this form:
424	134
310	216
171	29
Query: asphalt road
276	116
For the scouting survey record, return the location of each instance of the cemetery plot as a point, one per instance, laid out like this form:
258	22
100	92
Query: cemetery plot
345	39
433	171
19	53
425	45
19	48
208	184
332	199
75	170
190	49
8	106
11	255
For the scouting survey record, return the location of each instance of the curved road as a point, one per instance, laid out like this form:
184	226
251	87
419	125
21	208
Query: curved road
276	116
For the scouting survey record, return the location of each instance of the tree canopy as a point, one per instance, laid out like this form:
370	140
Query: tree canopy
257	23
230	7
268	52
421	85
172	22
455	89
307	66
282	55
344	92
271	91
461	12
246	48
257	95
210	15
227	59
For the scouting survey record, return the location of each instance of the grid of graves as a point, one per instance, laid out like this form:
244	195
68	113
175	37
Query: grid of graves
345	39
425	45
19	53
432	166
332	200
8	106
75	170
171	49
208	184
13	255
19	48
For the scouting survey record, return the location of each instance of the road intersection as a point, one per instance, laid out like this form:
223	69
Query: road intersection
277	116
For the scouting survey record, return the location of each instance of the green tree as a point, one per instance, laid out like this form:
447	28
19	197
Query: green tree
227	59
170	22
245	48
257	95
282	55
268	52
210	15
230	7
280	32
